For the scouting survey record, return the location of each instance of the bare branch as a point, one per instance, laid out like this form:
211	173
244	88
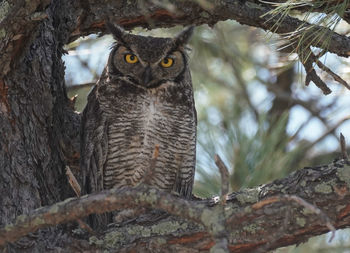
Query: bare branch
326	133
73	181
219	232
331	73
224	177
105	201
343	147
307	58
259	207
315	58
311	75
92	20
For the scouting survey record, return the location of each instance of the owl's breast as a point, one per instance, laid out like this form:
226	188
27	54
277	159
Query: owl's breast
133	134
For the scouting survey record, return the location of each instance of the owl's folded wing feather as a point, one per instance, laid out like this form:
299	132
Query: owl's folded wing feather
93	144
185	176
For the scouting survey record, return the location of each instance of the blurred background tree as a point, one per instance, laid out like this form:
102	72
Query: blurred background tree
253	108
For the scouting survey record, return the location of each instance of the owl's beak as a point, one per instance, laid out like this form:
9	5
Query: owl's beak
147	75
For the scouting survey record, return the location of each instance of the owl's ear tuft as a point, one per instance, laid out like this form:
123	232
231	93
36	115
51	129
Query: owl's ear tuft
117	31
183	37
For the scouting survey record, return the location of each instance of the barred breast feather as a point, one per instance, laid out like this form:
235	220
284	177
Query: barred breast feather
132	140
133	131
126	135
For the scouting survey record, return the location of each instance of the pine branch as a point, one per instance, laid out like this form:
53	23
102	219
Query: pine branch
132	14
249	220
305	57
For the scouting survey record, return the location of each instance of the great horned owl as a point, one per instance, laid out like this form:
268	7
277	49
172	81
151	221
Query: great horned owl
143	99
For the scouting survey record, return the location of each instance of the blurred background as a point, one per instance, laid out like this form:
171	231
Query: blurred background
253	107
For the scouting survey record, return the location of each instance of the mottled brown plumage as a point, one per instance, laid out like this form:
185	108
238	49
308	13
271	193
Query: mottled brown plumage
144	98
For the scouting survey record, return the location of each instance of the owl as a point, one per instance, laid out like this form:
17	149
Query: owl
142	103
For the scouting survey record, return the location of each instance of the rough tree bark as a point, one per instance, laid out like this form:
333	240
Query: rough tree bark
261	218
39	129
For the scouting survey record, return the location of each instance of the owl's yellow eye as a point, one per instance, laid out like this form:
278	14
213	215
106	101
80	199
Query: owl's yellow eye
131	58
167	62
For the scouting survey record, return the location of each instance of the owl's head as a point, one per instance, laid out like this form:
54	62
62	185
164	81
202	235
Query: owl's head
148	61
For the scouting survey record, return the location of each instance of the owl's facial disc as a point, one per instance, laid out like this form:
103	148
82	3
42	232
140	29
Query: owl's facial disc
149	72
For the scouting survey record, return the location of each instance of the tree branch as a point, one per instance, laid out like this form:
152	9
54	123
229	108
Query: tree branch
251	215
105	201
311	75
91	17
190	12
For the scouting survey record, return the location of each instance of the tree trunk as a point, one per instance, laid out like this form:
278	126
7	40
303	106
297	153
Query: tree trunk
39	128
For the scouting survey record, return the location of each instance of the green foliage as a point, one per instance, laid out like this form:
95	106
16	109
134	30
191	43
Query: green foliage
229	122
328	15
254	156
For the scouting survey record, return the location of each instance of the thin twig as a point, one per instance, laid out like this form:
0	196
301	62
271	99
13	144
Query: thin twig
330	72
77	189
311	74
224	172
221	238
307	58
307	105
343	147
322	53
73	182
334	75
72	101
329	131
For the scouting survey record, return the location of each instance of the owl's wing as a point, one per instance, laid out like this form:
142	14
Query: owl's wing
93	137
185	176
